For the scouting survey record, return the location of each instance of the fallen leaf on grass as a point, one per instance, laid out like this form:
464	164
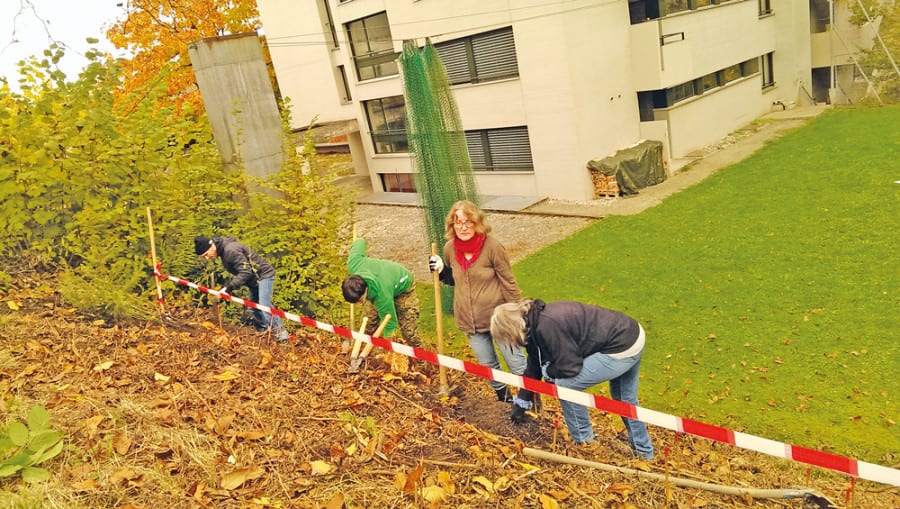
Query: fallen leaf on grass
121	443
621	489
548	502
239	476
11	304
320	467
413	478
250	435
160	377
103	366
336	502
502	484
226	375
85	485
434	494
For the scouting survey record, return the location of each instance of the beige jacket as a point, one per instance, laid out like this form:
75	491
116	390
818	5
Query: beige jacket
488	283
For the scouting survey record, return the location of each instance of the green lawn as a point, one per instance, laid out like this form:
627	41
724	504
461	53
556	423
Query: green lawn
770	292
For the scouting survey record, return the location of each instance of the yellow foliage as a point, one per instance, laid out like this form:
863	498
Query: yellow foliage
158	32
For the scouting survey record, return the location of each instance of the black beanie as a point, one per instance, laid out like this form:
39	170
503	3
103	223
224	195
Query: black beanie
201	244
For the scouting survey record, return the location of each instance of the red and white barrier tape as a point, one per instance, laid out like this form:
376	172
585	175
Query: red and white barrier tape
855	468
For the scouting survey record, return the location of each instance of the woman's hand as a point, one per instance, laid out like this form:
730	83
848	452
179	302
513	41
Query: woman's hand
435	264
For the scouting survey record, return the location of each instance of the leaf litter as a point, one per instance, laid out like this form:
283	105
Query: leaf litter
188	415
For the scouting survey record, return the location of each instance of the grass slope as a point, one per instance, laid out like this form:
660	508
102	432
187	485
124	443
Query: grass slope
769	291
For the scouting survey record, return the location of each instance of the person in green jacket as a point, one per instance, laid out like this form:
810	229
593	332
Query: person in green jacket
388	286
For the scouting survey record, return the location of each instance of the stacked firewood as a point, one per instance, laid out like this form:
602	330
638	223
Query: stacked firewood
604	185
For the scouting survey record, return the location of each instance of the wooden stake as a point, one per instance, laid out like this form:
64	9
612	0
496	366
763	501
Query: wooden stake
345	342
378	331
357	344
439	326
159	297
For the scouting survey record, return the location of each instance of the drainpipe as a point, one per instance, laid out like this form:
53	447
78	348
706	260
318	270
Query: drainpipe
832	87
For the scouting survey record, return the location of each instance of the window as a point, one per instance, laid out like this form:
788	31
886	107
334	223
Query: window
707	82
387	123
731	73
345	85
507	149
680	93
750	67
481	57
768	78
664	98
372	47
673	6
331	38
398	182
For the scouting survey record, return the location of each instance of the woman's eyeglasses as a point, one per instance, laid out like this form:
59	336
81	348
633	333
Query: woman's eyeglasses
463	224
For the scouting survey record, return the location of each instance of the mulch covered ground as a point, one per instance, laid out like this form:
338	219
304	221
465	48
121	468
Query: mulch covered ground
188	415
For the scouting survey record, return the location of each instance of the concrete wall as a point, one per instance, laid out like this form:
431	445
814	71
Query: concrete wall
240	102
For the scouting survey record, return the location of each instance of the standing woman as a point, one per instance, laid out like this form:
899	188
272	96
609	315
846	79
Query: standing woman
476	264
577	346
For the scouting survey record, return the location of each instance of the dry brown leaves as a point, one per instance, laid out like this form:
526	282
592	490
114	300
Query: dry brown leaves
191	416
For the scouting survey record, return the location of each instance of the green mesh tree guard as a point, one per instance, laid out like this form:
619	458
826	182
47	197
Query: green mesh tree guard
437	142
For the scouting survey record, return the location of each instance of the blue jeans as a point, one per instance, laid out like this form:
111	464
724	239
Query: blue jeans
262	294
483	345
623	375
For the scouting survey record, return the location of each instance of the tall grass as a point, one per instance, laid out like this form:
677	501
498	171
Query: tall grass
770	291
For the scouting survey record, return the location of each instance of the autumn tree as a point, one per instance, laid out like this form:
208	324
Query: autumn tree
158	32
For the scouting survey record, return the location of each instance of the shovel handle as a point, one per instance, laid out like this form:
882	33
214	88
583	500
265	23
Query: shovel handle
368	348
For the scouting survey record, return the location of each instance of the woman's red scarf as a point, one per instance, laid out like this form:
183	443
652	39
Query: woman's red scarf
472	246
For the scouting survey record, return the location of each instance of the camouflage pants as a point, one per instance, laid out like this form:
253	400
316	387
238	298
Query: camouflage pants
407	306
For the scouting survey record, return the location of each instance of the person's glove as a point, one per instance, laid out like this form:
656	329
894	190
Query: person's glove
547	378
435	264
518	415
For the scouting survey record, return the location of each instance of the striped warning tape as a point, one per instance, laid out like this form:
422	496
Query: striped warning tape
855	468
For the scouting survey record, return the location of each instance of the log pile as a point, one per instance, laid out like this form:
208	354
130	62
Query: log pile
605	186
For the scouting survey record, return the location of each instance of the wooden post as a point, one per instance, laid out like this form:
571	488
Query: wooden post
345	345
159	297
439	326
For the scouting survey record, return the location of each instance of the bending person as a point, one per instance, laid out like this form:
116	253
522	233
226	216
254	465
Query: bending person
248	269
388	286
577	346
476	264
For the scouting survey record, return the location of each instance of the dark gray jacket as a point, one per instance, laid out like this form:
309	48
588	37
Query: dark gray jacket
564	333
247	267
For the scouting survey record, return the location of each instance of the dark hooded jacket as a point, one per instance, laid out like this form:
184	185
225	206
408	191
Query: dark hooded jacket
562	334
247	267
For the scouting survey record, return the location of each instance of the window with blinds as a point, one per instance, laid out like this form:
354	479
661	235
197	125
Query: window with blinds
481	57
507	149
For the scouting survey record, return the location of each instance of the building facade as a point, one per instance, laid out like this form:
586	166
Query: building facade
542	87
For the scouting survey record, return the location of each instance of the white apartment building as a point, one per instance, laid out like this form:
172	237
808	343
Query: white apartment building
542	86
